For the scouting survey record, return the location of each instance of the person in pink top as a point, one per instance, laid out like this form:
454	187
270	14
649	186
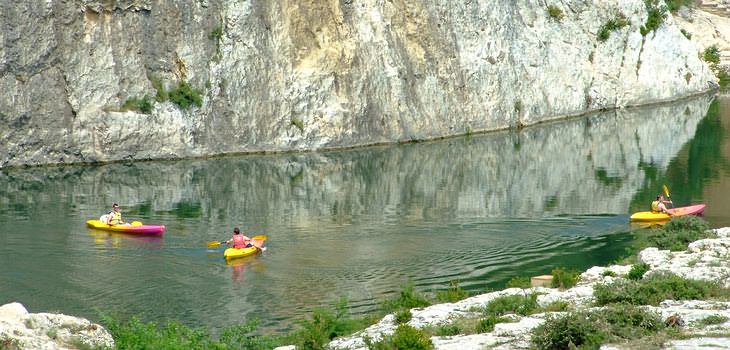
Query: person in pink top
239	240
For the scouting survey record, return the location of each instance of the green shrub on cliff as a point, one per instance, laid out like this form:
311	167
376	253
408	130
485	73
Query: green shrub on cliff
656	14
143	105
674	5
555	12
185	96
612	24
711	55
161	95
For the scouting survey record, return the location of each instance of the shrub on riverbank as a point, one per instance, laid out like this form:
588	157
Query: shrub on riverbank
325	325
564	279
453	294
404	337
590	329
519	282
134	334
407	299
656	288
512	304
676	235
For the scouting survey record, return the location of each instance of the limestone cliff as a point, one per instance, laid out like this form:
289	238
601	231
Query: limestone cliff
285	75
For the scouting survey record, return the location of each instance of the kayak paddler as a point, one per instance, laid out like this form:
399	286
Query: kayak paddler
114	217
239	240
659	205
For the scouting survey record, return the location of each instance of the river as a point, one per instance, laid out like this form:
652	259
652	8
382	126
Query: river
356	224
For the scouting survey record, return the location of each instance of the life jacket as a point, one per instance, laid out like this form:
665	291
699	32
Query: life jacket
239	241
655	206
116	217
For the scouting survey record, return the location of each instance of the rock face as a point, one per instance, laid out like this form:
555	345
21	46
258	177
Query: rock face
22	330
299	75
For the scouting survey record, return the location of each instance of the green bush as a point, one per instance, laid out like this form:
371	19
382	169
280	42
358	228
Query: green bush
519	282
723	77
564	279
448	330
452	294
556	306
403	316
162	94
590	329
407	299
405	337
555	12
185	96
612	24
143	105
675	235
134	334
656	14
325	325
608	273
637	271
568	331
674	5
517	304
486	325
712	319
654	289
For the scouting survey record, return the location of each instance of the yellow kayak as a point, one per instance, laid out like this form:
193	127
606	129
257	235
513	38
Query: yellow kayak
648	216
235	253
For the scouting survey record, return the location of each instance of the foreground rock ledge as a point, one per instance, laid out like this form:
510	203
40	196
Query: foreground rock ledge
22	330
706	259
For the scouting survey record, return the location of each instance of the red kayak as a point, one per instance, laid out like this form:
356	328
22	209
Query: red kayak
136	228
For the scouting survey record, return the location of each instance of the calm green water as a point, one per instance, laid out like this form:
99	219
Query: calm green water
354	224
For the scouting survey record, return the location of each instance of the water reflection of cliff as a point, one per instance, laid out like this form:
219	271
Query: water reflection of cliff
584	166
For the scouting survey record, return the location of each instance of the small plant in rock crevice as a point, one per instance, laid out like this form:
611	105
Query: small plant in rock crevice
555	12
656	15
615	23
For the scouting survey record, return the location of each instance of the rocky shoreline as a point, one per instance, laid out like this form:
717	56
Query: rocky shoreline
704	259
20	329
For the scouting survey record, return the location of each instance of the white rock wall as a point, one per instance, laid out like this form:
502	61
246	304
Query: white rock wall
292	75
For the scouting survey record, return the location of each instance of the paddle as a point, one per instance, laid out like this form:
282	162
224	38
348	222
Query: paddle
260	238
666	191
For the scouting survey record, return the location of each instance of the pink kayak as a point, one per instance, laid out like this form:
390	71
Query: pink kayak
646	216
136	228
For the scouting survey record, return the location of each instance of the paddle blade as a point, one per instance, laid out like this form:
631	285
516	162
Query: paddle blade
136	223
259	238
214	244
666	190
258	243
